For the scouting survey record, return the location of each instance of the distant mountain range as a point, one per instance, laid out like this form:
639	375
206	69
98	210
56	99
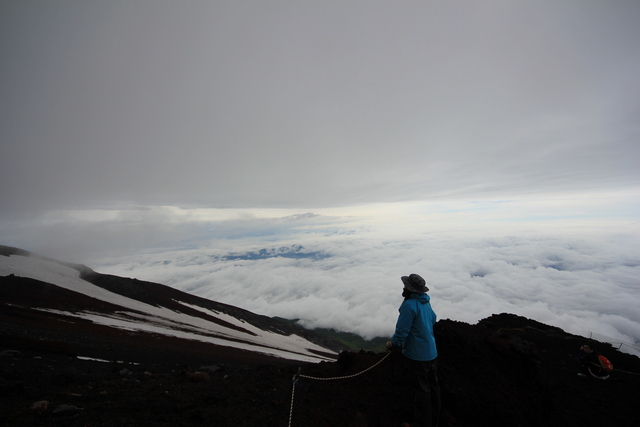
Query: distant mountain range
61	298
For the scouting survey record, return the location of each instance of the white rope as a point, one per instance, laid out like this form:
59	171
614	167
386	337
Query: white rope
299	375
347	376
293	392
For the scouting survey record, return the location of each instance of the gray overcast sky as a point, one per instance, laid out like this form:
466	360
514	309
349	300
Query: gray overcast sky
314	104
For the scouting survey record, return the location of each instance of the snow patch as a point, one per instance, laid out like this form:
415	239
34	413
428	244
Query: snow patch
139	316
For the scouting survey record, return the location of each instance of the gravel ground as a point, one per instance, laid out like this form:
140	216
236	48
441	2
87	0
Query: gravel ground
504	371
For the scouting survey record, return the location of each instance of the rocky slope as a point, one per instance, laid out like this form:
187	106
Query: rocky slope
67	296
504	371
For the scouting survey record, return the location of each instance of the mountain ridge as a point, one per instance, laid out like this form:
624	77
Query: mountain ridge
130	303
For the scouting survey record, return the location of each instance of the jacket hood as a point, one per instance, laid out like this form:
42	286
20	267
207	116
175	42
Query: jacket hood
422	298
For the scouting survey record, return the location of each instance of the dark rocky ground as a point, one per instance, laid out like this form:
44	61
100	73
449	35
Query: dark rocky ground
504	371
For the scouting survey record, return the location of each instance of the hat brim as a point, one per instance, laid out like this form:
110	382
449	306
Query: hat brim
408	285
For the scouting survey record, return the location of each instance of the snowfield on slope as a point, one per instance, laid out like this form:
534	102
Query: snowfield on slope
162	320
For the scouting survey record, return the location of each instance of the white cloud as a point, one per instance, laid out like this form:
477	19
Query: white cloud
572	263
582	282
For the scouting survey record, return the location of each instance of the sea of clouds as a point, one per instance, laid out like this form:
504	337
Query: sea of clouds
344	273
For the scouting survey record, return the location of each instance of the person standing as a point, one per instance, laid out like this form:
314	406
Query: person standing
414	335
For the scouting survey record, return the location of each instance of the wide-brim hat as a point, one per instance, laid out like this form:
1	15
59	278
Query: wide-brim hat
415	283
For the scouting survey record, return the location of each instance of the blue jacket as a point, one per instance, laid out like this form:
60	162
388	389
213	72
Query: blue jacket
414	329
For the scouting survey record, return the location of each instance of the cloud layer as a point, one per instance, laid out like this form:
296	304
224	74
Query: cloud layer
351	280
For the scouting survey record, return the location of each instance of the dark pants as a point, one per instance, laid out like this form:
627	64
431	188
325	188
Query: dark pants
426	392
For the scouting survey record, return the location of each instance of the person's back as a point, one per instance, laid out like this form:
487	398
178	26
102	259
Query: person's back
414	330
414	334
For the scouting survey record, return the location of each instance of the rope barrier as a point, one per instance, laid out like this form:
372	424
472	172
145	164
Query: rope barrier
591	336
299	375
632	349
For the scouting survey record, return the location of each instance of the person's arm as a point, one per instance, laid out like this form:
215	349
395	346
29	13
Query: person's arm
403	325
